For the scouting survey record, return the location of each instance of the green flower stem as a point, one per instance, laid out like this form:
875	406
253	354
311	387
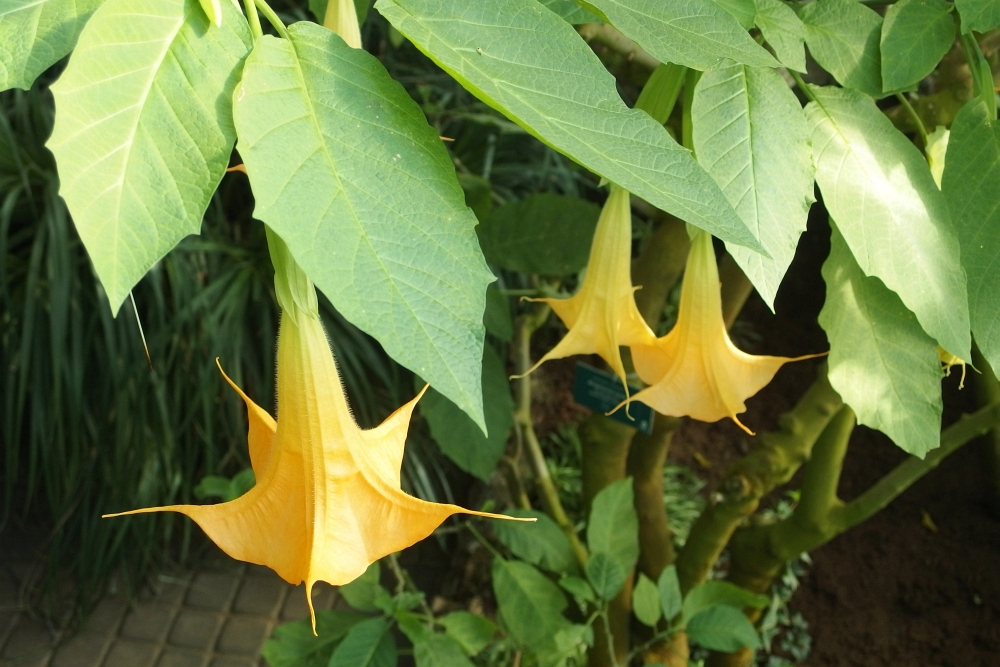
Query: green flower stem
914	116
253	19
659	95
295	292
272	17
527	325
802	85
777	456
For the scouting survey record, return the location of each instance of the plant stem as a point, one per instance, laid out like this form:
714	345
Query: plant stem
527	325
253	19
914	116
272	17
802	85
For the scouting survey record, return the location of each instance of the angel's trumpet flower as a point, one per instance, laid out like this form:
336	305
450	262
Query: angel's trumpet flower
327	502
602	315
695	370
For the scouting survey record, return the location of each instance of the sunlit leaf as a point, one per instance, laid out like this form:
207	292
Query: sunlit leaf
784	31
879	189
843	36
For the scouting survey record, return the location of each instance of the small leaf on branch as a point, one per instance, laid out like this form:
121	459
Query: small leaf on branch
784	31
605	574
915	36
613	527
723	628
843	36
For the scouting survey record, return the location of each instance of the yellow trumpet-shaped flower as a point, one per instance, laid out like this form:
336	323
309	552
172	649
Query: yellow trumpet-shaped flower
602	315
327	502
695	370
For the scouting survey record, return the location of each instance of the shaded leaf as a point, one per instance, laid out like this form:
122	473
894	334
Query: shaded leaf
35	35
295	645
526	62
367	644
694	33
472	632
362	592
971	184
670	592
843	36
497	317
458	436
544	233
723	628
751	136
711	593
613	526
784	31
978	15
646	601
142	132
881	362
571	11
578	587
437	650
915	36
530	605
323	129
605	574
542	543
879	189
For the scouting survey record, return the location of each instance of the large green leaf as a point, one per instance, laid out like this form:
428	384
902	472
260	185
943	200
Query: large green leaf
367	644
723	628
613	526
437	650
843	36
971	185
346	170
784	31
473	633
295	645
34	34
744	11
143	129
694	33
711	593
458	436
915	36
542	543
362	593
646	601
605	575
570	11
543	233
879	189
530	605
978	15
750	135
525	61
881	362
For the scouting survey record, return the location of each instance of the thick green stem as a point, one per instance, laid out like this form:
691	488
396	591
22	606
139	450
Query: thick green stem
773	462
646	459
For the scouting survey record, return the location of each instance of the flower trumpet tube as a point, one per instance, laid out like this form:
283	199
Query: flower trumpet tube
695	370
602	315
327	502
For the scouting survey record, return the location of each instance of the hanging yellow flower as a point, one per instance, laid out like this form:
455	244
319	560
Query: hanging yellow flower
602	315
695	370
327	502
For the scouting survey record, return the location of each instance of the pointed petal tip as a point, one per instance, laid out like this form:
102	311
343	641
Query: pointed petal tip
309	601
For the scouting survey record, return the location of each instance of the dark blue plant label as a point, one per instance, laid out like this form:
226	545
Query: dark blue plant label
601	392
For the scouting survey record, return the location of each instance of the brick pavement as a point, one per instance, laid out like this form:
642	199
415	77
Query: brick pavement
216	615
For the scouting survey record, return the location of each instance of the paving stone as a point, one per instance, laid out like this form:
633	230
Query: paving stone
82	650
260	595
29	640
233	661
173	657
296	608
212	590
148	622
196	629
243	635
169	589
107	615
129	653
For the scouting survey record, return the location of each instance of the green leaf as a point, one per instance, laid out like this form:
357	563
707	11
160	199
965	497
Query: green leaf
694	33
971	184
570	11
526	62
478	194
915	36
361	592
544	233
437	650
318	8
669	587
843	36
569	647
347	172
458	436
295	645
978	15
605	574
712	593
368	644
542	543
472	632
35	35
879	189
744	11
530	605
497	318
723	628
784	31
578	587
646	601
143	132
613	526
750	135
213	486
881	362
